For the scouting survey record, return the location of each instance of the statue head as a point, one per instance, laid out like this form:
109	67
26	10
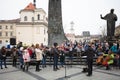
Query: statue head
112	11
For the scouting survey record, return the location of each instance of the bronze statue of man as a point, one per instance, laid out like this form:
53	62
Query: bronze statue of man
111	18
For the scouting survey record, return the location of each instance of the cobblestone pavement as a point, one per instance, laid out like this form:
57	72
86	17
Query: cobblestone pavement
68	73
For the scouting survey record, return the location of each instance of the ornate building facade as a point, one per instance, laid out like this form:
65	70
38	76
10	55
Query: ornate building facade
30	28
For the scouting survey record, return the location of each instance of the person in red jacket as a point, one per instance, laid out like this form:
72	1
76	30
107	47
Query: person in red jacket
30	52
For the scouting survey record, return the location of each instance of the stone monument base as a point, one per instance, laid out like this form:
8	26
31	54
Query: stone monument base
111	40
56	38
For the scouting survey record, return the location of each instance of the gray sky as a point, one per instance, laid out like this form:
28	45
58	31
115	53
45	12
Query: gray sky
84	13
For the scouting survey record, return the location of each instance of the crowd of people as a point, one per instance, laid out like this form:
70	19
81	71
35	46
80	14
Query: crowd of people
40	52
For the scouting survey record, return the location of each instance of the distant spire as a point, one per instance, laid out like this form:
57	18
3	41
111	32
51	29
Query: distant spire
34	2
72	25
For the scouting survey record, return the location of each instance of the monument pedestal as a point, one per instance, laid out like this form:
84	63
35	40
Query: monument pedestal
56	38
111	40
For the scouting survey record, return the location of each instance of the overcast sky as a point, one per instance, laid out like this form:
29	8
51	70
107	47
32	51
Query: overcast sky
84	13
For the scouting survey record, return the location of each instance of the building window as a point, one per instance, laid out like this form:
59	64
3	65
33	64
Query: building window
6	27
6	33
0	41
0	33
38	16
11	27
32	18
11	33
44	30
0	27
25	18
44	39
43	17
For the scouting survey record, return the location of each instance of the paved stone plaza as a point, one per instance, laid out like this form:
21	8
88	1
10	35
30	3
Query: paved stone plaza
72	73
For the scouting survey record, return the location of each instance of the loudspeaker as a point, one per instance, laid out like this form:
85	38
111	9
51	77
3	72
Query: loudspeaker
12	41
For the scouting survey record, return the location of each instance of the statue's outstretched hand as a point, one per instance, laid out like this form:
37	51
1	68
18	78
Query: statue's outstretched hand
100	15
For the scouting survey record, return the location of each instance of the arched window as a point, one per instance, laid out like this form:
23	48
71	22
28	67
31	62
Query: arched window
25	18
11	27
38	16
0	33
6	27
0	27
6	33
11	33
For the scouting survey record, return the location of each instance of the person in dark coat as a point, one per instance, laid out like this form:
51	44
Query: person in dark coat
14	56
3	51
90	55
62	56
1	58
55	53
118	53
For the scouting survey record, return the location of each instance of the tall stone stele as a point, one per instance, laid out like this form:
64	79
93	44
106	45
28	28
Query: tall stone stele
55	26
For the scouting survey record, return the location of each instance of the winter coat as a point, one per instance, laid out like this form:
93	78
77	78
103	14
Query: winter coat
90	53
1	56
38	53
114	48
26	56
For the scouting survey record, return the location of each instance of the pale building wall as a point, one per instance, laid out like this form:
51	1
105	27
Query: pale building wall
29	15
24	34
34	14
29	34
42	15
8	30
34	31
